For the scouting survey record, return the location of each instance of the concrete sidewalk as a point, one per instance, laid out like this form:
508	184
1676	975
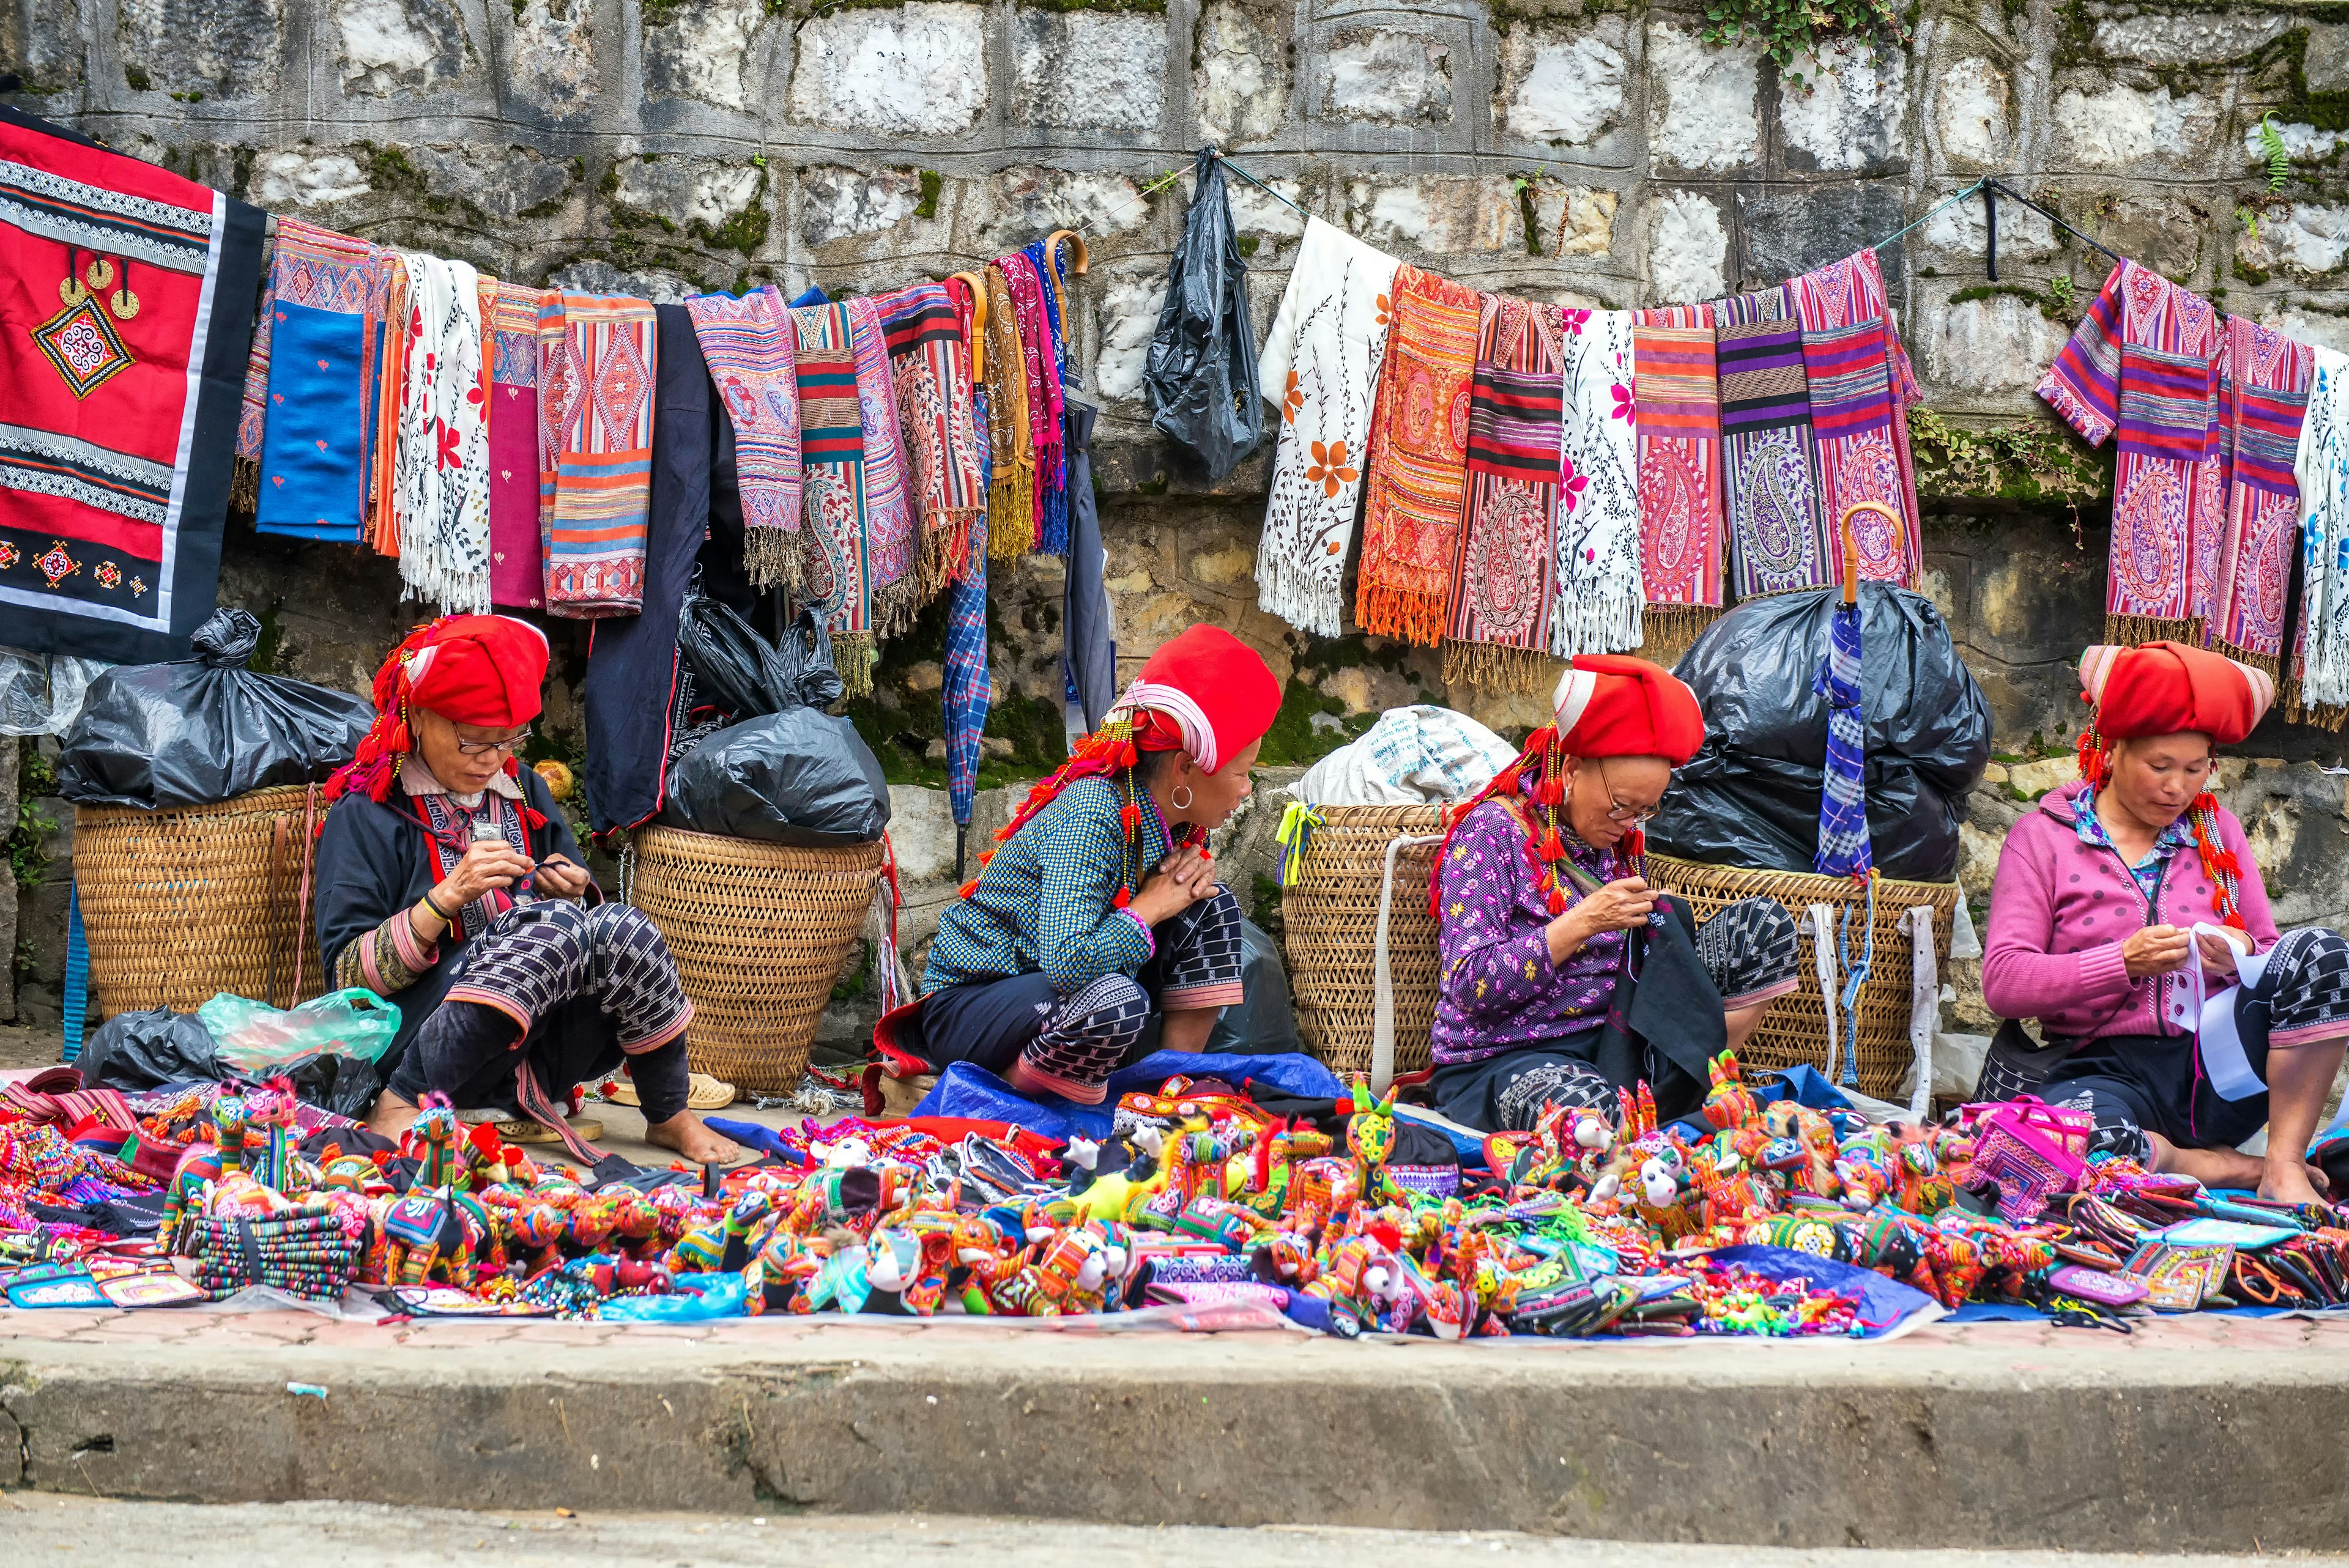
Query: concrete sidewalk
2197	1433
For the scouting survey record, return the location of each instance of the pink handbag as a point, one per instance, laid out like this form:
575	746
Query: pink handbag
2031	1149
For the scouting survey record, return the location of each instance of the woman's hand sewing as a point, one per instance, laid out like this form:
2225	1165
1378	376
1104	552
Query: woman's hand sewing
1618	906
2219	956
2155	950
1183	879
558	876
487	863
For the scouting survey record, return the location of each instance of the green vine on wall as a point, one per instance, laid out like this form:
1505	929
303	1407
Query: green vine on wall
1789	29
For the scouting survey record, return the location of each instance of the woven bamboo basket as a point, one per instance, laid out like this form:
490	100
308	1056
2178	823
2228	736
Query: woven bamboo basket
180	905
758	931
1331	917
1793	1032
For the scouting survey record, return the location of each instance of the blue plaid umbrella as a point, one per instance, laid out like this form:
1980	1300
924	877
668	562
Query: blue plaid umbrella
966	694
1843	799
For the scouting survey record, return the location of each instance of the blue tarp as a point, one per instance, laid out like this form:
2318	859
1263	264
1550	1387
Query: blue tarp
964	1089
1884	1303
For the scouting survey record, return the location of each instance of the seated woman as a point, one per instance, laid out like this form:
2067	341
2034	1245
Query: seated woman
449	883
1538	884
1102	906
2093	915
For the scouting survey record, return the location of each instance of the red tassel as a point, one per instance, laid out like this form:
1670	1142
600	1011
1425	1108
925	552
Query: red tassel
1131	815
985	856
1552	792
1127	757
534	816
1552	847
1635	843
1124	896
1556	902
968	888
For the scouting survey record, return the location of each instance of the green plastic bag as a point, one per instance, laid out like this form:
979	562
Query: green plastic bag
256	1038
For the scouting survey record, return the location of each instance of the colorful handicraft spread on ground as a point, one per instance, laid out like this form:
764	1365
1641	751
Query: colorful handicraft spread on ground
1751	1218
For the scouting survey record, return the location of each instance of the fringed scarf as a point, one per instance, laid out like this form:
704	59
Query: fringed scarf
1599	591
517	555
892	520
1418	458
752	355
1860	388
1679	395
931	367
1011	496
965	693
440	479
2263	402
2319	692
1039	360
315	451
1499	615
383	520
1043	255
1769	488
598	408
251	415
834	581
1325	350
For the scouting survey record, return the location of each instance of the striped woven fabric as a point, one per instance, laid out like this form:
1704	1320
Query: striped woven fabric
892	522
834	581
965	695
382	529
597	405
1858	414
1039	357
1678	392
1011	495
517	550
1419	458
931	366
1768	458
251	416
1499	616
748	346
315	453
2264	400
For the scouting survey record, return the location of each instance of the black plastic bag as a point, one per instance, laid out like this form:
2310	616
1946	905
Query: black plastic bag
199	730
1200	374
148	1049
733	674
1750	796
798	777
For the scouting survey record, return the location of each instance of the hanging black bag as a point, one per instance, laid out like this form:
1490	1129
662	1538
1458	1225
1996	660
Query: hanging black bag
1200	375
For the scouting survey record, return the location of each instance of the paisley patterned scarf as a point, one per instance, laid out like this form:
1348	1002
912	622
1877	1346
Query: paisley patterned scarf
931	366
1768	453
835	583
892	524
1679	395
750	347
1418	458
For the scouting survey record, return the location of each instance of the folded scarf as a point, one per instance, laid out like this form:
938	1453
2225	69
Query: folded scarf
834	581
1598	590
1011	495
2319	692
1039	362
1679	397
893	531
392	374
517	554
596	407
1499	616
1052	502
440	477
751	352
1768	462
931	367
2263	401
251	415
1325	349
1859	376
1418	458
315	451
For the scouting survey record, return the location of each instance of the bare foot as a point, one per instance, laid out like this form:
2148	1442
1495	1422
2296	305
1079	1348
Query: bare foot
2289	1181
392	1115
684	1133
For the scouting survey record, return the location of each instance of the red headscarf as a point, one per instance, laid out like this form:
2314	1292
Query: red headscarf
484	670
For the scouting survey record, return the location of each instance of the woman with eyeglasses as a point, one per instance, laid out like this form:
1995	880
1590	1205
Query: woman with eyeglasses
1538	886
450	884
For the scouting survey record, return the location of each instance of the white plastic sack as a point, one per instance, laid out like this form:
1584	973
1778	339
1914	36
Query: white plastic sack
1416	756
41	693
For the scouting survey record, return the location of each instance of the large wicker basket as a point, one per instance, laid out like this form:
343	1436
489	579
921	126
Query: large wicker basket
758	931
1793	1032
182	903
1331	917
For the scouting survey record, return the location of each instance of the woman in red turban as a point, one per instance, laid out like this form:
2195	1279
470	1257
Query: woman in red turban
1538	896
448	883
1102	906
2119	890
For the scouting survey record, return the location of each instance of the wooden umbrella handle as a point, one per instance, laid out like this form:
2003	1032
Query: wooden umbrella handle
1052	249
1850	537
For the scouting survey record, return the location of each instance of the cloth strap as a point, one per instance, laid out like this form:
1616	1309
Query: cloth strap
1822	921
1924	1004
1382	1010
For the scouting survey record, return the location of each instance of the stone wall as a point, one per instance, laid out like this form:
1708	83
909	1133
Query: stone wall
1591	152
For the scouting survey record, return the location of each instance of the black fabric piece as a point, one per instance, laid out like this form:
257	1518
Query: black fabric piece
719	562
2158	1079
1664	1024
632	659
1199	375
2016	1065
467	1052
798	777
202	730
1750	796
1089	652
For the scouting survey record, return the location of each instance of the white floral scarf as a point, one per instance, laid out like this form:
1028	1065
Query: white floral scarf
1599	588
441	473
2322	466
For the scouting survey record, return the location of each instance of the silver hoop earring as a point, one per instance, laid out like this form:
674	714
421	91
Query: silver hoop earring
1185	797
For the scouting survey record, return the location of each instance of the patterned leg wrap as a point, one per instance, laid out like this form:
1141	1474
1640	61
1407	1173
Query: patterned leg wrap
1083	1041
1750	951
1203	955
1521	1100
538	955
2311	986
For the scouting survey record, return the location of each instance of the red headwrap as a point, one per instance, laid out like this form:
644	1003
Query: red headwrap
484	670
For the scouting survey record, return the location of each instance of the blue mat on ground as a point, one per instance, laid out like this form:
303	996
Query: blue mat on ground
964	1089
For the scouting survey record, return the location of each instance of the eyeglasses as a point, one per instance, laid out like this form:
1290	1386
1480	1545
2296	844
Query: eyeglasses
1630	816
514	743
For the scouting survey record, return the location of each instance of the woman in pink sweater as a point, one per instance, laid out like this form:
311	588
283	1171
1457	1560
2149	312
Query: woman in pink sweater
2093	922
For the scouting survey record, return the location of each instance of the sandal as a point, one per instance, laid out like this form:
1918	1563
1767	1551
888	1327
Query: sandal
521	1130
703	1092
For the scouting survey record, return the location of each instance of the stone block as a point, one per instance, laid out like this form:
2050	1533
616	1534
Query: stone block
551	57
1995	344
1027	203
2291	813
922	828
688	192
2324	329
1564	87
1688	249
1394	78
1436	215
2162	231
1257	211
400	46
1089	71
1240	80
2103	124
2326	61
1851	112
918	70
1130	297
42	42
219	48
591	276
2305	240
2188	38
1791	232
701	50
1971	105
511	185
2036	778
295	181
1573	220
1704	107
838	203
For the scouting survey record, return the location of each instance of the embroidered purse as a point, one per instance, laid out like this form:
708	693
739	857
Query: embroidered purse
2031	1149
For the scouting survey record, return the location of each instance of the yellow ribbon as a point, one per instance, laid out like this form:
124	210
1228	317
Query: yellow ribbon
1296	826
